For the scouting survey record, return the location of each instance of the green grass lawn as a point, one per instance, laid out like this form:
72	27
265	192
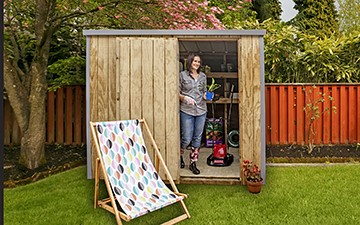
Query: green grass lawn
292	195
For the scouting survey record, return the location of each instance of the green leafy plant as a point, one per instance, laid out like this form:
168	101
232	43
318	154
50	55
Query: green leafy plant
213	86
251	171
313	111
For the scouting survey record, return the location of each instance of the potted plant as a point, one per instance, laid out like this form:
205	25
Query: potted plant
211	88
252	176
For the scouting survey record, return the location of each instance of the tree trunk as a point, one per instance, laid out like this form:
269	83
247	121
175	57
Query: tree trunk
32	147
33	141
29	109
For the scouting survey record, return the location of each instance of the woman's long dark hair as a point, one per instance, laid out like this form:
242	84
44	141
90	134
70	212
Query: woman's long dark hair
189	61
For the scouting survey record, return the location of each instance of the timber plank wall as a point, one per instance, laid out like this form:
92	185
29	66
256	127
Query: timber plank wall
287	122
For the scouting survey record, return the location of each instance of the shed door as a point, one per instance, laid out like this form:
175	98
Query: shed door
134	78
147	78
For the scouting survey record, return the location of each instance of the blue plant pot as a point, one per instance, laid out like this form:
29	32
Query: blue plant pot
209	95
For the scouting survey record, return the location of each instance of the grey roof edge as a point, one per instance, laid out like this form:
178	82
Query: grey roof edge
174	32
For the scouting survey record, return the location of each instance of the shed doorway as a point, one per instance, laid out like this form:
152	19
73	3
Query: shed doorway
219	62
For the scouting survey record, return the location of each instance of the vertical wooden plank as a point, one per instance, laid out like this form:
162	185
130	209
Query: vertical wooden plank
283	115
343	115
246	106
172	105
94	48
123	79
60	116
112	78
352	114
78	115
147	62
256	100
50	117
335	115
274	114
7	122
147	90
326	116
291	114
83	119
103	78
318	123
242	154
268	114
135	79
309	101
159	97
300	115
68	114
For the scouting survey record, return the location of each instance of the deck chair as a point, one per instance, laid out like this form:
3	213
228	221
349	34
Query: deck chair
130	177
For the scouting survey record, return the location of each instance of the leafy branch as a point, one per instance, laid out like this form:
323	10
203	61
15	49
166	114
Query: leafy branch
213	86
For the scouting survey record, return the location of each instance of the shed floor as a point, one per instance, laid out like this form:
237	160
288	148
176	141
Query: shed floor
211	172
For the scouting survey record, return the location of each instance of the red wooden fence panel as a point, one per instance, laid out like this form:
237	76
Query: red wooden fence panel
68	115
78	115
267	115
300	115
65	118
352	114
291	115
50	117
60	115
326	117
287	120
288	113
12	134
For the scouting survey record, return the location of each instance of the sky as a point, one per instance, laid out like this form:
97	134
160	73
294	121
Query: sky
288	11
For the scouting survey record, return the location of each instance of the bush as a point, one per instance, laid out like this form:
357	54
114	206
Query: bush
292	56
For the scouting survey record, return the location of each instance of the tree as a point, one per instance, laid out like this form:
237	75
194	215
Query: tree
233	12
318	17
266	9
349	18
30	28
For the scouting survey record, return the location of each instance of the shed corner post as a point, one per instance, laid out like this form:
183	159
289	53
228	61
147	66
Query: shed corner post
88	142
263	112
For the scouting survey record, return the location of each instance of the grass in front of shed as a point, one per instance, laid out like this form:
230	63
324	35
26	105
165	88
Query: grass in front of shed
292	195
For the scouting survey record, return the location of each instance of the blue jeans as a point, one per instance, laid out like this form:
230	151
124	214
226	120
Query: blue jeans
192	128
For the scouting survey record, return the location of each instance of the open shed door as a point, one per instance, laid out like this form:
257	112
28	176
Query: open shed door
135	78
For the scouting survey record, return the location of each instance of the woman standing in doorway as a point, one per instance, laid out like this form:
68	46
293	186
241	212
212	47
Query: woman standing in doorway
192	110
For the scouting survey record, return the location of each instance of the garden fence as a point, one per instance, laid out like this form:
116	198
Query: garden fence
295	114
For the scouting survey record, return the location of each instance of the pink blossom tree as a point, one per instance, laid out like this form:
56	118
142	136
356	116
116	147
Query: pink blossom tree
30	27
190	14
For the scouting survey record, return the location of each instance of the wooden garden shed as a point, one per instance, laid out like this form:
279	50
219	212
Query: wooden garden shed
135	74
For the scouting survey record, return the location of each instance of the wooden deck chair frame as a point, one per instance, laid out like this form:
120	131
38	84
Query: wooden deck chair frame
109	203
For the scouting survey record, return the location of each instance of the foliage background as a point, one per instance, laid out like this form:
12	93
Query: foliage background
293	54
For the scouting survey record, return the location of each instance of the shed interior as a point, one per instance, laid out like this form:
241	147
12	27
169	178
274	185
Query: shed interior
219	61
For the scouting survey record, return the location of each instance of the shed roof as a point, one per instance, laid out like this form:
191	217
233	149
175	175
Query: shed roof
174	32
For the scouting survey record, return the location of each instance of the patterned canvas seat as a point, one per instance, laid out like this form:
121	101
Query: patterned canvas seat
129	173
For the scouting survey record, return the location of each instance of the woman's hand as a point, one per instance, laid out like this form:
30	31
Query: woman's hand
188	100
